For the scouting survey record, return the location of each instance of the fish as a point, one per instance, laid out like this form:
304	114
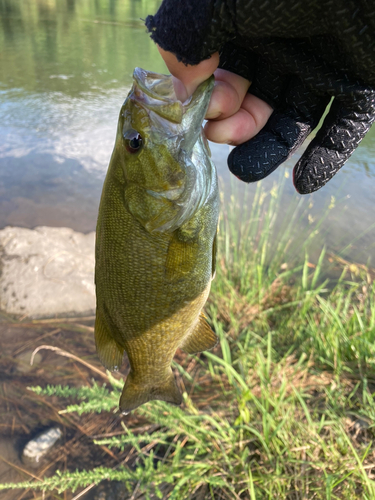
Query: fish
156	239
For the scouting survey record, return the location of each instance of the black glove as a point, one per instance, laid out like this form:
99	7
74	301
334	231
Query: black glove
300	96
298	55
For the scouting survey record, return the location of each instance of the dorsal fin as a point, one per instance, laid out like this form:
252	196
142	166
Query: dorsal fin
202	338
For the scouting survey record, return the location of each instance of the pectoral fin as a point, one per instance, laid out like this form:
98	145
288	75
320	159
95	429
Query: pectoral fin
202	338
136	393
109	351
181	258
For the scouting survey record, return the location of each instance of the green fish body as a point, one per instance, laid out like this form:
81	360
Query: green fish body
156	239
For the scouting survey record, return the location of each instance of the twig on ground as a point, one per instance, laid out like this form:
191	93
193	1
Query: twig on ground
67	354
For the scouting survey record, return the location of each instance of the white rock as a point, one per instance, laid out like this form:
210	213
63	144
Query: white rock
38	447
47	272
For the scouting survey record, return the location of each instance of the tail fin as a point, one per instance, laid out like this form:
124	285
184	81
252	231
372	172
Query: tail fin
137	393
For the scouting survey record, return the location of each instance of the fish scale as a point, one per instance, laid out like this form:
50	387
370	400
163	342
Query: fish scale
156	239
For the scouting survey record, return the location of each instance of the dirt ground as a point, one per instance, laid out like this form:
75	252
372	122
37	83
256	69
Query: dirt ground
23	414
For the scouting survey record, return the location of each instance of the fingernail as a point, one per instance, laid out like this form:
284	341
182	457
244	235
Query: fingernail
212	115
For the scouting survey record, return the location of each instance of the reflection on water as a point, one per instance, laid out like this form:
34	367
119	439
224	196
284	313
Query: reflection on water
65	69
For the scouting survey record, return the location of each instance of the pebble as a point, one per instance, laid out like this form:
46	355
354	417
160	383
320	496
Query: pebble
23	361
37	448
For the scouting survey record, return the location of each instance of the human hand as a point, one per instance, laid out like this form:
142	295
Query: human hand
234	116
298	56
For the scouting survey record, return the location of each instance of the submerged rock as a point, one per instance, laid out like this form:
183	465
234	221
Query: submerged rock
46	272
36	449
23	361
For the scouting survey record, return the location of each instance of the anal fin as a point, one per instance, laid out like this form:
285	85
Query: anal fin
109	351
202	338
135	392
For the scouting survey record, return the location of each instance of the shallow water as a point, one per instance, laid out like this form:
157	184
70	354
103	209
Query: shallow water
65	69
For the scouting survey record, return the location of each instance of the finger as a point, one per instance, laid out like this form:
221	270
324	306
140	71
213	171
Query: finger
188	77
228	94
233	130
243	125
347	122
259	109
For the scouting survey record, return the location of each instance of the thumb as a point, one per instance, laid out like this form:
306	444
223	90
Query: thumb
347	122
187	78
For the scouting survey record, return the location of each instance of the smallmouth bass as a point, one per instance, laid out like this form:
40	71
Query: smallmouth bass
156	238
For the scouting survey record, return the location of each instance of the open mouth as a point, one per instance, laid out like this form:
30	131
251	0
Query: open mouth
155	93
155	85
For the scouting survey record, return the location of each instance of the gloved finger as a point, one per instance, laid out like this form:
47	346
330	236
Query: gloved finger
284	132
257	158
347	122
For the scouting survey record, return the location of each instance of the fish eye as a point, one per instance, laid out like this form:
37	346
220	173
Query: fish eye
133	141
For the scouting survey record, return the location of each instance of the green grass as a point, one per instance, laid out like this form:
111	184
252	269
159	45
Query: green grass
284	407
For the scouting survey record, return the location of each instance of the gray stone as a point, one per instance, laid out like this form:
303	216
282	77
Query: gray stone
23	361
36	449
46	272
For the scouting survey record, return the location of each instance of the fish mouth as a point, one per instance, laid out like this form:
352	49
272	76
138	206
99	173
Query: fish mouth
155	85
156	93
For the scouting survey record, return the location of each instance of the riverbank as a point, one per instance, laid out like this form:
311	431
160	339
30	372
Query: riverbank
47	272
282	408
